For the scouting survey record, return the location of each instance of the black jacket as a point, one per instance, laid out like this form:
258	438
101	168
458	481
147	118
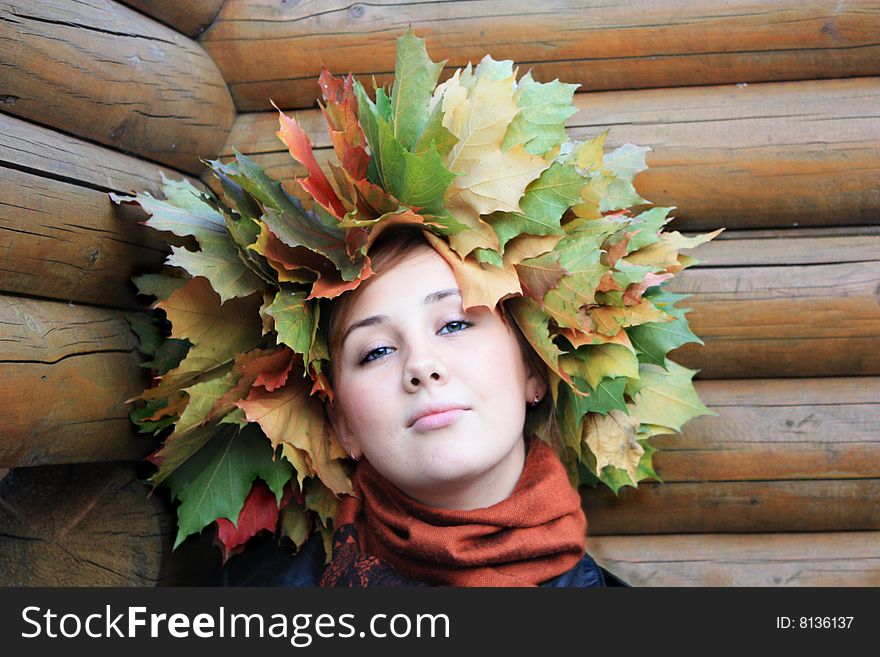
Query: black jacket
268	564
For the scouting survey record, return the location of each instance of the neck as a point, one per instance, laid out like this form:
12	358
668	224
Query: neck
478	492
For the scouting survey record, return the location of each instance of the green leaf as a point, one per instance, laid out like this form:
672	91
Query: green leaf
648	223
138	416
624	163
488	257
580	257
604	361
435	134
316	236
416	180
157	285
215	481
202	397
543	204
415	77
219	262
294	320
655	340
168	355
616	478
540	125
607	396
667	396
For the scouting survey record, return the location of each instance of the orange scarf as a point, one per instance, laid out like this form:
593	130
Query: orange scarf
537	533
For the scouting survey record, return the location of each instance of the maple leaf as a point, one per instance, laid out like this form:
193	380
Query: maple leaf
480	284
595	363
295	524
295	320
214	482
543	204
534	324
341	112
290	415
612	440
666	397
157	285
608	320
300	147
540	126
415	77
217	332
624	163
318	237
489	179
587	155
259	513
579	256
185	212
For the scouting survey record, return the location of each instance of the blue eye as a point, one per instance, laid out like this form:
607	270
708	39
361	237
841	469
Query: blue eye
455	326
376	354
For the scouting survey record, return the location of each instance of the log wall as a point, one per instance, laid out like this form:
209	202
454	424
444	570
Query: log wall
762	117
101	71
268	49
94	98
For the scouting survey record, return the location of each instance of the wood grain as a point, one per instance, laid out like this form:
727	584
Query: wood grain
735	507
755	156
192	17
90	525
67	371
802	559
71	243
777	430
102	71
269	49
783	321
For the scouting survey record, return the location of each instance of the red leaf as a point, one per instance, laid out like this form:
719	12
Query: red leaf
316	183
260	511
270	371
346	135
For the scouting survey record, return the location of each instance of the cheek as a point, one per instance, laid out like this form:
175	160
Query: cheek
366	408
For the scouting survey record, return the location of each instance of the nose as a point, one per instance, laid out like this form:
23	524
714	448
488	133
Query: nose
423	367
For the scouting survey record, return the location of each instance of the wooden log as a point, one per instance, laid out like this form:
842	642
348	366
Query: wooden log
735	507
777	430
268	49
67	371
801	559
783	321
102	71
62	241
754	156
192	17
90	525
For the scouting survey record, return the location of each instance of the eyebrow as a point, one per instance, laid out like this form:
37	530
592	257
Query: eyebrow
372	320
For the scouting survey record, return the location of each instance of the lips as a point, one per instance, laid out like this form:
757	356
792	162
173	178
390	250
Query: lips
436	416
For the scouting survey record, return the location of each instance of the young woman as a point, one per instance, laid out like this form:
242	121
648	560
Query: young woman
431	401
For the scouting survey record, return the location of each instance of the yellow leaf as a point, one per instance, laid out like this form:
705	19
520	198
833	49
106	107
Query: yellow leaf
588	154
612	440
526	246
608	320
291	416
489	179
217	332
480	284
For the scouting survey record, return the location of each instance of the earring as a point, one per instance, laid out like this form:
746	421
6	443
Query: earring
535	401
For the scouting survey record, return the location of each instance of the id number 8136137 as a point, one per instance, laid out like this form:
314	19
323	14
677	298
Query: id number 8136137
814	622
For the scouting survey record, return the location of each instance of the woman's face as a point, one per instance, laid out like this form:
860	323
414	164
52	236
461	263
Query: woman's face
434	397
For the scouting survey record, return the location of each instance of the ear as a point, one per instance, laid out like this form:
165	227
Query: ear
340	426
535	386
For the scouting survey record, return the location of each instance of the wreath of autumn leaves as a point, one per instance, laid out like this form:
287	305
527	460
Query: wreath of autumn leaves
482	164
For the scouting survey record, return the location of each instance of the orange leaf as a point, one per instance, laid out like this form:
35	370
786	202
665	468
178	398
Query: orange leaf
300	147
480	284
260	512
